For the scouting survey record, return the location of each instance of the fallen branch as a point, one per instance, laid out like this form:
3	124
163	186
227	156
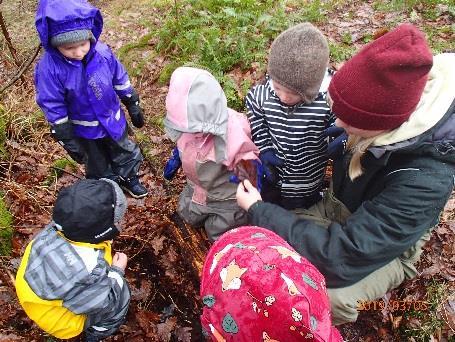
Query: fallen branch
21	71
8	40
68	172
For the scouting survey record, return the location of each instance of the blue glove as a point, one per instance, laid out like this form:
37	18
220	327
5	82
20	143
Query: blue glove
234	179
337	141
269	157
259	175
269	161
172	165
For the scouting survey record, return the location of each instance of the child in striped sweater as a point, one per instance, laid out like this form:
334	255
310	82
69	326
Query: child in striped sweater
288	114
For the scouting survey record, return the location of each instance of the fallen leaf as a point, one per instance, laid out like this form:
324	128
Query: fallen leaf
165	329
183	334
396	322
146	321
157	244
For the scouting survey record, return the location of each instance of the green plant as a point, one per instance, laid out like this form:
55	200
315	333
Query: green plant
314	11
57	169
346	38
367	38
220	35
6	229
429	318
340	52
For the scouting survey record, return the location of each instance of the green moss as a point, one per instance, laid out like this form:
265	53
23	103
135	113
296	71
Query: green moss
6	229
56	171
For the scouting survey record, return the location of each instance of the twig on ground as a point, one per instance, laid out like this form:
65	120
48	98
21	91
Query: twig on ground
68	172
176	307
21	71
5	32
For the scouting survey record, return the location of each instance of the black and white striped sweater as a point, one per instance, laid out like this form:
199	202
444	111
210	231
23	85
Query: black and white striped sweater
295	134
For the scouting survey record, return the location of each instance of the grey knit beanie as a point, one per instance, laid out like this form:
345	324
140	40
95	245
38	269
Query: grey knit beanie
298	60
71	37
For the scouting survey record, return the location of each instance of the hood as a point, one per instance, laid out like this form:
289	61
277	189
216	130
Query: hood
59	16
196	103
252	276
433	118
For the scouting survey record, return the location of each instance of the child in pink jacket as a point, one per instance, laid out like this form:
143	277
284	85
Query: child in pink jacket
213	144
256	287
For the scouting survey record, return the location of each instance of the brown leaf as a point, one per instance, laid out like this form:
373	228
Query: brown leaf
165	329
157	244
157	139
146	321
396	322
431	271
142	292
183	334
379	33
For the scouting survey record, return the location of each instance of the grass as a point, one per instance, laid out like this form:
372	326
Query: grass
430	320
314	11
439	45
426	12
134	56
223	35
6	229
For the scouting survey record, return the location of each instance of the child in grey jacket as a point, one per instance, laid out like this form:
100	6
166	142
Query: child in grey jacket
68	282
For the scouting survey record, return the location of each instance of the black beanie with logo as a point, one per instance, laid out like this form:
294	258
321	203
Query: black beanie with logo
88	210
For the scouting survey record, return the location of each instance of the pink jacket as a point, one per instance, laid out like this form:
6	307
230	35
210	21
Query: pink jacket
214	141
255	287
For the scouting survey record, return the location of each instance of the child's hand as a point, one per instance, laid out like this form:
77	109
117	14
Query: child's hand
120	260
131	103
247	195
337	139
269	162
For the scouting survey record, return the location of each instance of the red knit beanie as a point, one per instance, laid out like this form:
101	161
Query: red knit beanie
380	86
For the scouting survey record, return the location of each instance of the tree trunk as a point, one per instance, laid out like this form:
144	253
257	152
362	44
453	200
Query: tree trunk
192	241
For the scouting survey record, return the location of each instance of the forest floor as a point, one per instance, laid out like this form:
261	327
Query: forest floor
163	274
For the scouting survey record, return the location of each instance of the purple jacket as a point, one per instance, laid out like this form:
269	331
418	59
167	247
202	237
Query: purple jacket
84	92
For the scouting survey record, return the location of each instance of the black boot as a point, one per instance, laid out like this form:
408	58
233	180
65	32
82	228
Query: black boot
133	187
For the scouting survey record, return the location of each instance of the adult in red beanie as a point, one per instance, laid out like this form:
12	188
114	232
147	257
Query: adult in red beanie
380	87
396	103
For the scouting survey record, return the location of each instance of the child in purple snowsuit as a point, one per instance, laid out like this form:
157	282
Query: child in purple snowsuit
79	83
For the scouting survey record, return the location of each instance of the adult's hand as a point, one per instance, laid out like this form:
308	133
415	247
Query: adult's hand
247	195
